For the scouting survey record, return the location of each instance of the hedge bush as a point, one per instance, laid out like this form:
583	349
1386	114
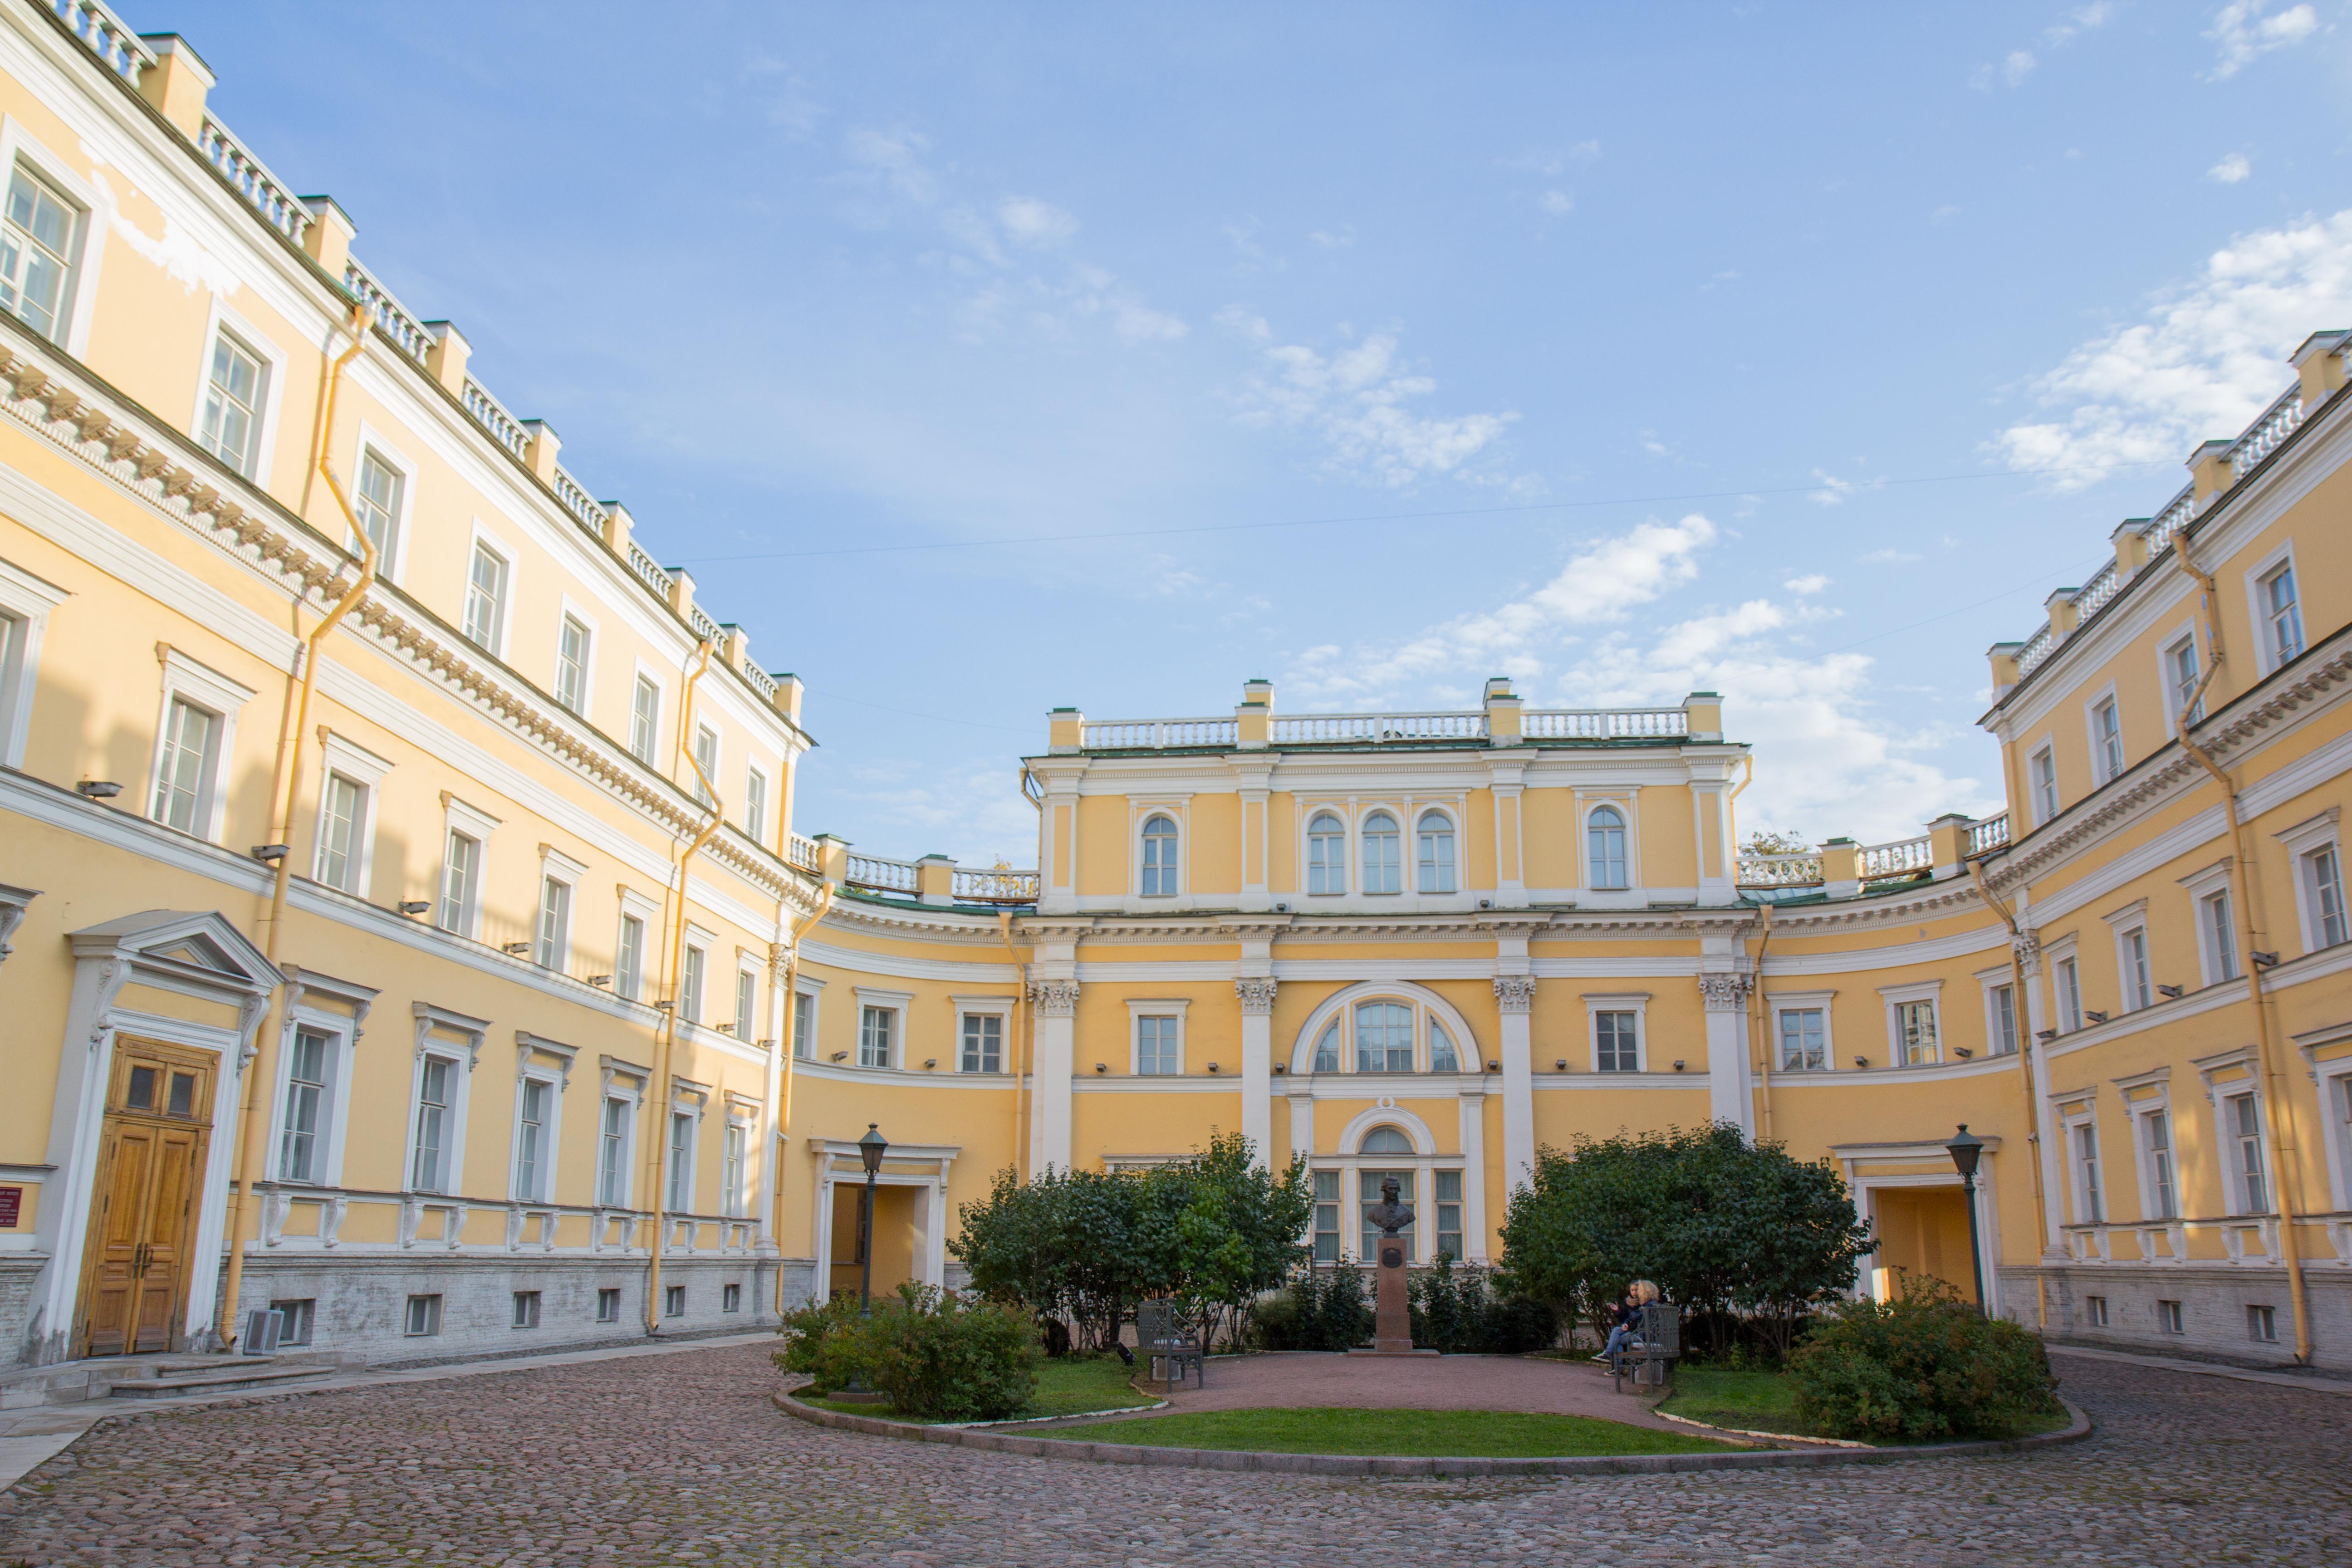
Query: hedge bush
1322	1309
938	1356
1458	1311
1924	1366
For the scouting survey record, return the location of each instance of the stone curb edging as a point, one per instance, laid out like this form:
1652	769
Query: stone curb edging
1385	1465
1767	1436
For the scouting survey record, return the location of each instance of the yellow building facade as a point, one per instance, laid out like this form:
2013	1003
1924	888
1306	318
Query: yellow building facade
405	926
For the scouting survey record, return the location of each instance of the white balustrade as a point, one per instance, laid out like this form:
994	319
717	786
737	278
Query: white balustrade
803	853
2172	518
1329	729
579	502
1901	858
492	416
644	566
1158	735
2091	595
1988	835
999	886
1602	723
2262	438
704	627
269	196
1800	869
399	325
2036	649
108	36
761	682
881	874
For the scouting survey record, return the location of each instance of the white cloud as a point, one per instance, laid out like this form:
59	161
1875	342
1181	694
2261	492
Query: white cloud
2242	34
1559	203
1888	557
1812	583
2231	170
2081	19
1943	215
1356	401
2016	67
2206	358
2019	64
895	159
1331	239
1717	281
1032	221
1833	489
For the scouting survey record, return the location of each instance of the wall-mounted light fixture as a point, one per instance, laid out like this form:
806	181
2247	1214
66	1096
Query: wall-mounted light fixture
269	854
931	1061
2094	1017
600	980
1678	1066
2172	992
841	1056
1102	1067
514	949
1212	1066
1561	1065
1862	1061
414	906
97	789
2265	960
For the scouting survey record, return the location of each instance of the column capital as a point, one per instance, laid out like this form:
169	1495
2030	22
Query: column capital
2027	946
1724	992
1256	994
1515	992
1055	998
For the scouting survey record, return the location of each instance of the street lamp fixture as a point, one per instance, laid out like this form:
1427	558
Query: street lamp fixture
1966	1150
870	1149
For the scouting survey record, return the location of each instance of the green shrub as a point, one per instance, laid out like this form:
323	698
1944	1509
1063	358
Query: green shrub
936	1355
1455	1309
1924	1366
1323	1310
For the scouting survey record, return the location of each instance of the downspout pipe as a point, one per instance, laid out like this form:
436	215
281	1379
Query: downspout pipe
2025	1082
289	750
2277	1131
665	1040
791	1045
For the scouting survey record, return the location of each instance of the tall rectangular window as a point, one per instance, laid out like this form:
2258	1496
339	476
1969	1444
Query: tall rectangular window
2069	994
2108	729
230	428
2323	873
552	949
629	962
340	812
875	1027
681	1160
2156	1128
1326	1217
1449	1213
755	805
1159	1052
731	1171
1804	1045
460	871
2180	673
2004	1020
2220	940
746	1003
2138	988
1434	864
2283	613
433	1086
184	779
706	759
485	598
2086	1159
531	1141
571	665
300	1157
2044	770
803	1025
36	253
2244	1122
612	1153
1616	1047
376	498
1914	1034
983	1042
644	718
690	998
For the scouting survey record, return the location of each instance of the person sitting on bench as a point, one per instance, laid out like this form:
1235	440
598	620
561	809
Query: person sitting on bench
1625	1318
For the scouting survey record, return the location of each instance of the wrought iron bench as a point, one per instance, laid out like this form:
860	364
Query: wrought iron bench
1649	1357
1161	1336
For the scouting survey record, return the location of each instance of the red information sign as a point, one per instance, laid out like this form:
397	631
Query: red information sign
12	1204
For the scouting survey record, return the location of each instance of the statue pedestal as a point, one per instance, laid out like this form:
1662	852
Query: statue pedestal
1392	1328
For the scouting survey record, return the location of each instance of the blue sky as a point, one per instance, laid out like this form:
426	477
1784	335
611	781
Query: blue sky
1794	351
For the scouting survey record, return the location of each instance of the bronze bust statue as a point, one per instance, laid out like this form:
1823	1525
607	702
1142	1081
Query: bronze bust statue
1391	1216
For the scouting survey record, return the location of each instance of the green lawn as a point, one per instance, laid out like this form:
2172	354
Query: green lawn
1748	1401
1415	1434
1067	1386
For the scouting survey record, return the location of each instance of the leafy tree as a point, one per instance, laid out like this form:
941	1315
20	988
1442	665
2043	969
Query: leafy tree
1762	843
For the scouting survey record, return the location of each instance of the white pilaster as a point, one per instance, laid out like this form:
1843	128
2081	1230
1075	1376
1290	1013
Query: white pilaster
1256	997
1474	1168
1515	994
1505	775
1731	1072
1055	1024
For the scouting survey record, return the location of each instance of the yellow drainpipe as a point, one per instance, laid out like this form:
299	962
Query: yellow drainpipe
2025	1081
289	768
2279	1131
791	1047
665	1040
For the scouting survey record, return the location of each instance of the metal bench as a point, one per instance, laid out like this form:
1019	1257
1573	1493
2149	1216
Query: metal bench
1161	1336
1650	1356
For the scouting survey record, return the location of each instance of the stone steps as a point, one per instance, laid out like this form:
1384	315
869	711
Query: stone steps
215	1378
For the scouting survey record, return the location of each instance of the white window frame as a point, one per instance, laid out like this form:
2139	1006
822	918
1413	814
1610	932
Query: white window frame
1401	834
689	1104
367	771
705	942
391	567
2203	886
2225	1126
1339	812
893	1002
453	1152
527	1072
2302	841
997	1007
1145	814
2104	770
26	601
744	1024
555	865
2123	924
737	1132
1623	808
2266	656
811	988
570	610
185	680
341	1032
1635	1002
2335	1084
2137	1112
2042	794
625	1086
713	767
1454	842
2074	1116
1778	1002
510	589
457	817
2166	679
646	912
1991	983
755	790
642	672
270	398
78	302
1138	1010
1893	999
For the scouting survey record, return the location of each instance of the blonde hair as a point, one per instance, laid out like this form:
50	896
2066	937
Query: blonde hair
1645	1292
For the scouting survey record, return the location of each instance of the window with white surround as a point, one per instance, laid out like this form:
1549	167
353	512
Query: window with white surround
2161	1194
376	498
2213	921
2107	739
629	959
2242	1136
2316	857
608	1304
1326	1048
1384	1037
40	235
422	1317
574	649
878	1029
552	941
342	815
1159	1044
689	987
437	1078
485	598
679	1174
706	761
1326	854
194	740
1915	1033
1159	840
1434	857
1449	1213
534	1142
461	875
747	1004
2041	772
804	1022
2134	980
236	383
2339	1113
755	805
1382	871
1804	1039
1604	849
644	718
982	1043
1616	1042
2090	1206
1326	1215
2181	676
302	1133
733	1140
2001	1031
2282	615
2067	975
1442	1056
26	601
612	1150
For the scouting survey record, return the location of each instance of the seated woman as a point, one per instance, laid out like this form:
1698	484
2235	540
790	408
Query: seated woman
1626	1317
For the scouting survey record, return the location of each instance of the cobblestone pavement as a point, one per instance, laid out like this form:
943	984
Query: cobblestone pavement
681	1458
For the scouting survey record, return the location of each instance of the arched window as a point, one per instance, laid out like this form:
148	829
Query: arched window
1380	872
1326	1048
1436	859
1604	839
1159	858
1441	1049
1385	1140
1384	1037
1326	855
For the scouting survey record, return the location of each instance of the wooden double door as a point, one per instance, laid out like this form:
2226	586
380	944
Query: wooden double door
151	1162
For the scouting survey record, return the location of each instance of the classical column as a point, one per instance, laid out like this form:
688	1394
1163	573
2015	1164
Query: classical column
779	967
1473	1100
1256	994
1055	1009
1729	1089
1515	994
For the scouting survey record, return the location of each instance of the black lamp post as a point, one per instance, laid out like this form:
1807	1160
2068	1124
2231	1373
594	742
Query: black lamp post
870	1149
1966	1150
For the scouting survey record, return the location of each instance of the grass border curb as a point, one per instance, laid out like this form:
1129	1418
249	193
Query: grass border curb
1396	1465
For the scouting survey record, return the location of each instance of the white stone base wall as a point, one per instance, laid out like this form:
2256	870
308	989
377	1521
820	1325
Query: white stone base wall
2213	1301
18	1271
